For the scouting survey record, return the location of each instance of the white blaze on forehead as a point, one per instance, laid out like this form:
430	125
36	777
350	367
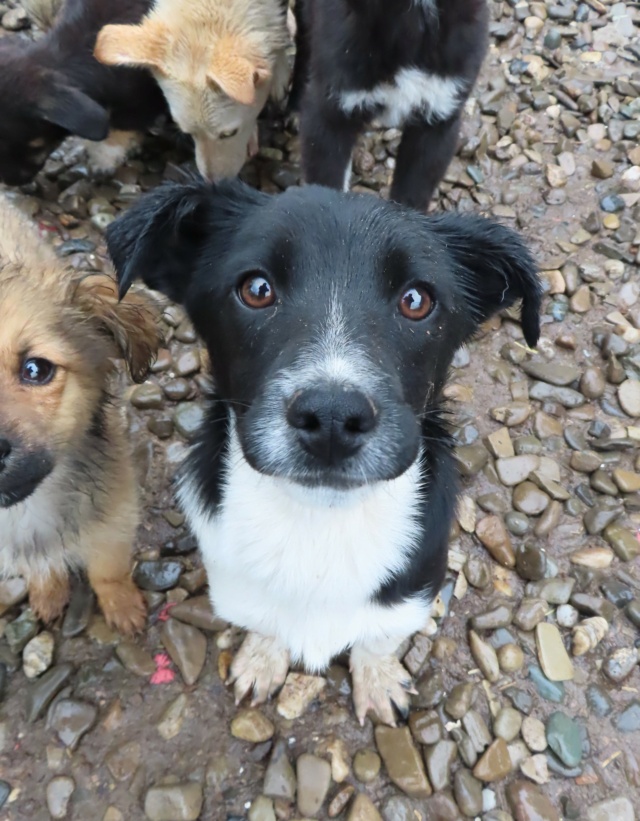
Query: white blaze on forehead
334	356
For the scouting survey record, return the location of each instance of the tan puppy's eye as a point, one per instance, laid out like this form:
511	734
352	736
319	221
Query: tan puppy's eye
37	372
416	303
257	292
226	135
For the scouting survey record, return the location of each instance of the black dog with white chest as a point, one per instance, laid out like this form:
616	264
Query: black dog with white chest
322	484
408	64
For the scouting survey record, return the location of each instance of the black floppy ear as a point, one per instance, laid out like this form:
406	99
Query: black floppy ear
71	109
494	268
159	238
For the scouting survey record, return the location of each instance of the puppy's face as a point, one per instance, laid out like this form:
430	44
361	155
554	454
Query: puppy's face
330	319
215	87
38	109
220	126
46	390
55	354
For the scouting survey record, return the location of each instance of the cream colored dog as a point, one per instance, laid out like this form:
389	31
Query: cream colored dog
217	62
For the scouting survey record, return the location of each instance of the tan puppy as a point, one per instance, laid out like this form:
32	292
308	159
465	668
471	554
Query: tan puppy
67	487
217	61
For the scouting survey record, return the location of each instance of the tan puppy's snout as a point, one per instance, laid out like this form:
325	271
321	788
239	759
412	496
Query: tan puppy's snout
21	471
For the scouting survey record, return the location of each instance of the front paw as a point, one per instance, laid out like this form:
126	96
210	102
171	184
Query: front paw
105	157
48	597
260	666
380	685
123	605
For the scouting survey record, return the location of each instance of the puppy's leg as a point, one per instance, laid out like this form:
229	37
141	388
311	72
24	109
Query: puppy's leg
107	156
300	74
109	571
281	76
423	157
292	25
260	666
106	550
49	595
380	683
253	146
327	138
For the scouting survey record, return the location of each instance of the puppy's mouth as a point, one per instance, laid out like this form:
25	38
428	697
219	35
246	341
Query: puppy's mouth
330	479
19	481
346	477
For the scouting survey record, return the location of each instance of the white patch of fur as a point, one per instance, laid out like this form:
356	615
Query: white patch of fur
346	185
31	540
427	5
281	76
333	357
411	92
107	156
301	565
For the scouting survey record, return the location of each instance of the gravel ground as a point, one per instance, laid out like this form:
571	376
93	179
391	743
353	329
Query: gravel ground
528	704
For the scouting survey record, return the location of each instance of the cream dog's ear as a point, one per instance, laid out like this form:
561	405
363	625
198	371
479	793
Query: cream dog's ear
132	324
144	45
236	71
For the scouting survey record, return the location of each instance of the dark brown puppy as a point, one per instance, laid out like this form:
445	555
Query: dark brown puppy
67	488
408	64
54	87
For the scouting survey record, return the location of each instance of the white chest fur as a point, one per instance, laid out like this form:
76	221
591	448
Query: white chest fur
302	566
411	92
32	536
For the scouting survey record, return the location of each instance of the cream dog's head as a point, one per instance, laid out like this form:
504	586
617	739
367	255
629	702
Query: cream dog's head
215	66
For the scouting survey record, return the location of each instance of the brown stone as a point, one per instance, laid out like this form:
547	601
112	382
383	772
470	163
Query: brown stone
402	760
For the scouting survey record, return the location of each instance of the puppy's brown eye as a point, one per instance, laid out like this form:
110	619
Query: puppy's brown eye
257	292
37	372
416	303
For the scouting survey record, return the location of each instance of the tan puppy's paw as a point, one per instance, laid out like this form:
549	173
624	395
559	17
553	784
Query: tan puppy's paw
123	605
49	596
380	685
260	666
107	156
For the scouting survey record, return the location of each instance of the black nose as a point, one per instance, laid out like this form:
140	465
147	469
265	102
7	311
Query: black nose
332	423
5	450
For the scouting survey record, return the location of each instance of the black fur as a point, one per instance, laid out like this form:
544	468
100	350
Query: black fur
356	45
197	243
54	87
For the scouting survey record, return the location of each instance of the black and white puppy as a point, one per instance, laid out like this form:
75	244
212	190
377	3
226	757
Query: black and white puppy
409	64
323	483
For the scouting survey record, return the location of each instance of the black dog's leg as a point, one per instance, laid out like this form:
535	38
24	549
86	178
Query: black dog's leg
423	157
327	137
300	75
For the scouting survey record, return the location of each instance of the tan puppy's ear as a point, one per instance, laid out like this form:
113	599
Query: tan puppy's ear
234	70
132	324
143	45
